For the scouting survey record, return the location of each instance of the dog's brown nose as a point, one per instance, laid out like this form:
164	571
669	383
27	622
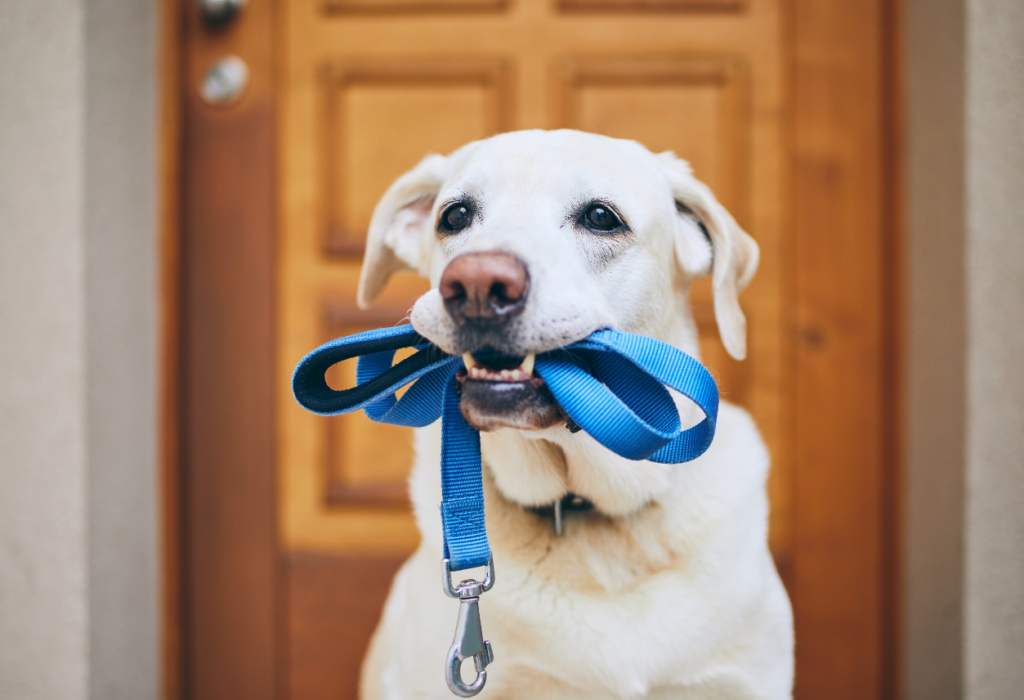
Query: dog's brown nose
484	288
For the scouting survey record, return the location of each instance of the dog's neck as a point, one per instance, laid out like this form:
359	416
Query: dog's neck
535	469
558	511
605	544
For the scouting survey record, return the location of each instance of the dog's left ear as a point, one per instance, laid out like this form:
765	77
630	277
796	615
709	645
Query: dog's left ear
397	239
734	254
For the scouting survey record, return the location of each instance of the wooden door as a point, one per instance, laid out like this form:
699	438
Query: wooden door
363	97
780	107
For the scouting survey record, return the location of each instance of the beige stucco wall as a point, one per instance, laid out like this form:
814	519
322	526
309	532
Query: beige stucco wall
120	344
43	603
994	253
78	545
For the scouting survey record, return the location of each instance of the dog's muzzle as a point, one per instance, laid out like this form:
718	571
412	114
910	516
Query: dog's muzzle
483	293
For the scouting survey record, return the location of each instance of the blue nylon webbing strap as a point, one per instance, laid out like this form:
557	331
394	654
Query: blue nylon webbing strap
612	384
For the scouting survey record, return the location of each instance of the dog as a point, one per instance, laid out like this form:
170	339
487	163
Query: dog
665	587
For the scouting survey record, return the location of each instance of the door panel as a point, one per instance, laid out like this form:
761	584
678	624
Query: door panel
357	469
333	605
382	117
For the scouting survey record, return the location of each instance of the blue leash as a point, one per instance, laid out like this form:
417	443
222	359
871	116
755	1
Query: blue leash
612	384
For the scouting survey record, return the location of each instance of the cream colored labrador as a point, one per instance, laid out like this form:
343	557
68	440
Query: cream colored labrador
663	589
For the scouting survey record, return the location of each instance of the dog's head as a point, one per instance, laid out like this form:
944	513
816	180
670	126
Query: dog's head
533	240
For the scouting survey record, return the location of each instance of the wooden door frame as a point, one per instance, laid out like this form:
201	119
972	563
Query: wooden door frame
218	237
844	156
222	584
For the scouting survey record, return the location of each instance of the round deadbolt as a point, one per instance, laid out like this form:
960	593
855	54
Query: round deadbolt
224	82
220	12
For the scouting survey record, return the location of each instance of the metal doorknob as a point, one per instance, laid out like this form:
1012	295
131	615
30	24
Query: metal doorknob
220	12
224	82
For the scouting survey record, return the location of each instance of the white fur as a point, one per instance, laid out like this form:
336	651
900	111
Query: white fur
667	589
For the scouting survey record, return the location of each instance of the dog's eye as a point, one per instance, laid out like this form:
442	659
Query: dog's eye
599	217
456	217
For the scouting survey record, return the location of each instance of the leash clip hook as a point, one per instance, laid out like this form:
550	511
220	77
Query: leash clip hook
469	637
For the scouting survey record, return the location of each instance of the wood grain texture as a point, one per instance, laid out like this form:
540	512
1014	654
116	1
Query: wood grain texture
376	7
843	356
227	446
333	606
651	5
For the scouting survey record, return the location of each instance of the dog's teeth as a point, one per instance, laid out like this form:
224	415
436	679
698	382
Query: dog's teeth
475	370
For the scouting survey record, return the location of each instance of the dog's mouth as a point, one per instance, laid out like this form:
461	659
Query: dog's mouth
502	391
497	367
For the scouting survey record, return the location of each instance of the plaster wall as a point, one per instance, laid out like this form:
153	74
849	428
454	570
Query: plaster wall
994	253
43	555
120	346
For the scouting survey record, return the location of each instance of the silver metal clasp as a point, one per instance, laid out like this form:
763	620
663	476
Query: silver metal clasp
469	636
